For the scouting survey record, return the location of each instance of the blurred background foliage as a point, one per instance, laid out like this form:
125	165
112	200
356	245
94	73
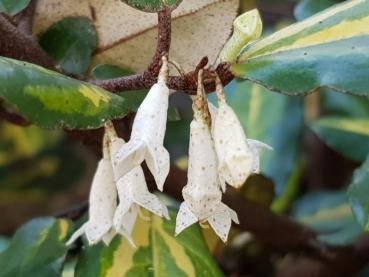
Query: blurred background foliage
318	142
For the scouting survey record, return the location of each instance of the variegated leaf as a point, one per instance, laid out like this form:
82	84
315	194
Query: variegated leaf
349	137
51	100
37	249
329	49
358	194
158	253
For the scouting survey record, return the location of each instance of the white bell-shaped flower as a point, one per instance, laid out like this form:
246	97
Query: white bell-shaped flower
148	131
238	157
133	192
103	202
202	194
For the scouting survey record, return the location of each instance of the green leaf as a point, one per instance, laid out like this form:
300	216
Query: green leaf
358	194
329	214
158	253
4	243
71	42
273	119
12	7
152	5
329	50
109	71
51	100
37	249
349	137
346	105
307	8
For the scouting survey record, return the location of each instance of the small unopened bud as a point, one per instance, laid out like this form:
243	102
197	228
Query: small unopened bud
246	27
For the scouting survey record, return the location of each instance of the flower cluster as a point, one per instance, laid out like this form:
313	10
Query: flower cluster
219	154
119	173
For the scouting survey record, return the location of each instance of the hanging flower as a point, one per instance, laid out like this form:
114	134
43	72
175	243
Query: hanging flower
132	191
103	202
148	132
133	194
202	195
238	157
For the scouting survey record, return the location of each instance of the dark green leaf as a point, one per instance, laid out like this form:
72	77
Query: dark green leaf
158	253
108	71
329	214
307	8
328	50
13	7
349	137
152	5
36	250
51	100
4	243
358	194
334	104
173	114
71	42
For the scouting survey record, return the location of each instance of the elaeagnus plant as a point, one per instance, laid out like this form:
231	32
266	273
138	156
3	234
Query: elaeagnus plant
200	118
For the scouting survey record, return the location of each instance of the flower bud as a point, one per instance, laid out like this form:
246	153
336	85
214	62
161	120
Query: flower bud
246	27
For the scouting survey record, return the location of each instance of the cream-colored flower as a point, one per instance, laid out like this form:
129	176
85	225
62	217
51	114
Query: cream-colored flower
103	202
238	157
148	131
105	218
132	190
202	194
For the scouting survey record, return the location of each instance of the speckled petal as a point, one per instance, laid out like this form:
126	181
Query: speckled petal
125	223
158	162
147	137
185	218
103	197
202	192
234	154
256	146
142	196
108	237
130	155
221	221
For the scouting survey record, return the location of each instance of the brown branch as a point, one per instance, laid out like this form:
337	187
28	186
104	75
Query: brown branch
164	40
18	45
186	83
13	117
25	23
